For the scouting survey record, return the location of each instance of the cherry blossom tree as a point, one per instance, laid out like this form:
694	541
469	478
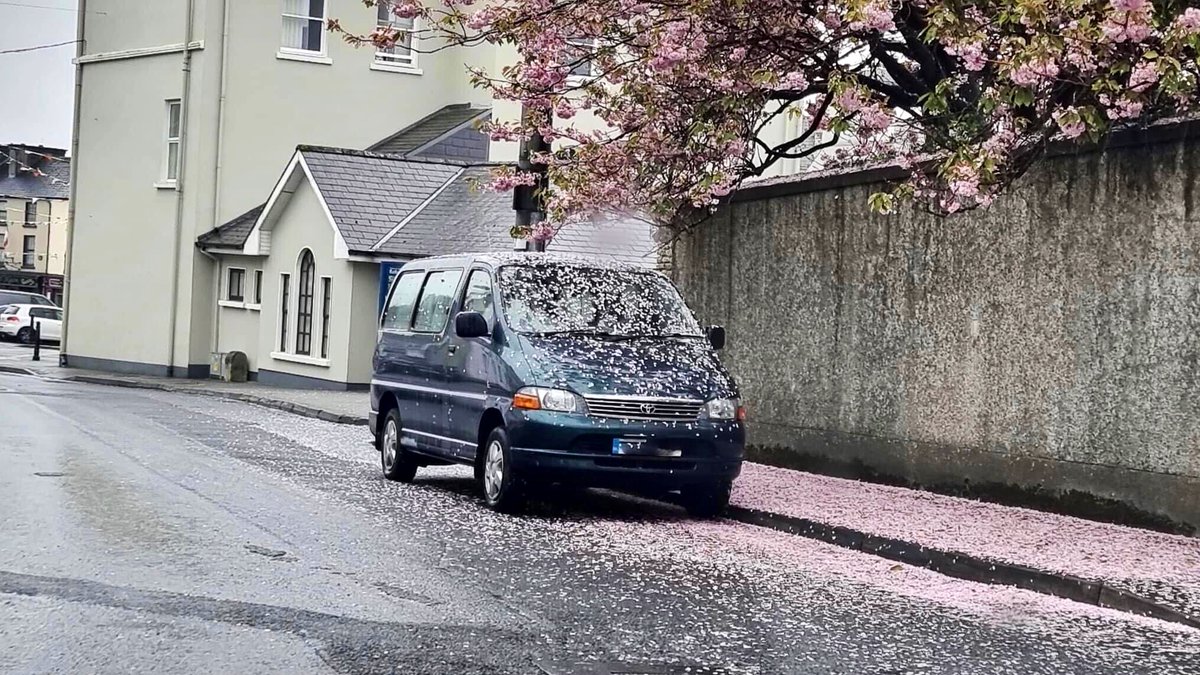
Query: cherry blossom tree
670	115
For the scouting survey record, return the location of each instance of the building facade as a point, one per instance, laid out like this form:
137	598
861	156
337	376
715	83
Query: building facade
185	120
34	219
181	206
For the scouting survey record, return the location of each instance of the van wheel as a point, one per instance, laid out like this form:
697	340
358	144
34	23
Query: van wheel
398	463
502	489
708	500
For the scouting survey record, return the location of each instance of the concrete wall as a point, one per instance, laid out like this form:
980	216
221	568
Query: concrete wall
1051	340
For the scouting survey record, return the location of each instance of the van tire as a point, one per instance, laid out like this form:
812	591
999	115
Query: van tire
398	464
707	501
502	489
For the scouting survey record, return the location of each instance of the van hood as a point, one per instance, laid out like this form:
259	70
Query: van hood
659	367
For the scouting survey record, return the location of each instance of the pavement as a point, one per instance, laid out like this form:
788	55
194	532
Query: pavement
1119	567
158	531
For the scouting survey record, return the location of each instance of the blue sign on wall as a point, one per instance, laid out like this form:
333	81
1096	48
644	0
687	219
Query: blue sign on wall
387	274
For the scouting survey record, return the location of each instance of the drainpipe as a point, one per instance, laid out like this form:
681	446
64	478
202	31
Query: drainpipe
184	114
80	50
216	199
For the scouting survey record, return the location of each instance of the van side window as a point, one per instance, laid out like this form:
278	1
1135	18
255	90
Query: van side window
478	295
434	307
404	297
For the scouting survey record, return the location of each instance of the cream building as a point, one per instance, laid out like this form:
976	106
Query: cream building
245	181
204	225
33	218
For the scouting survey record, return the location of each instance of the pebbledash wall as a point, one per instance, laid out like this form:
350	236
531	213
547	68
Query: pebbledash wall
1051	340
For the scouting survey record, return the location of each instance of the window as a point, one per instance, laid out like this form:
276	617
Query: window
234	288
478	295
31	213
285	281
579	57
326	293
401	54
174	131
3	213
258	287
304	304
303	26
27	253
398	315
433	309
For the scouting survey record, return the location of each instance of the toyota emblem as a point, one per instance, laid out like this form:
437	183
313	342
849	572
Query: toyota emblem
648	408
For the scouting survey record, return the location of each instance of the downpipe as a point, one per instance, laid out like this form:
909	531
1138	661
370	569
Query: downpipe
177	236
80	50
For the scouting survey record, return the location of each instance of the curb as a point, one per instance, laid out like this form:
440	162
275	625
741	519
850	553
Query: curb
16	370
967	567
286	406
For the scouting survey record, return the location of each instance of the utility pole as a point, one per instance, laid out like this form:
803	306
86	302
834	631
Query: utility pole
529	201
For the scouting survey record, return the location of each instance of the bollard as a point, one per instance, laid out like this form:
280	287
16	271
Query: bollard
37	340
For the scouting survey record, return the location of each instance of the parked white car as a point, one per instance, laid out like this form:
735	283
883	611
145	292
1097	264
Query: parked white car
16	322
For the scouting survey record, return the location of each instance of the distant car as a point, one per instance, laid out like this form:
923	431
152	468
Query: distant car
24	298
16	322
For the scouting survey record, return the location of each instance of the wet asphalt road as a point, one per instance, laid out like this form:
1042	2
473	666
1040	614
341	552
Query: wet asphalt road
151	532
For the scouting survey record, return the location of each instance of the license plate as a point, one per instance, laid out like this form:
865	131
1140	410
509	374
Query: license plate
642	446
629	446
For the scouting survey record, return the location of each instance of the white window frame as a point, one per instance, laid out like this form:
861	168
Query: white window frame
255	300
166	181
323	348
397	63
590	43
306	55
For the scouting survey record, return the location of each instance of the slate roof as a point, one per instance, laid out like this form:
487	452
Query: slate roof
369	193
441	209
25	185
467	217
429	129
232	234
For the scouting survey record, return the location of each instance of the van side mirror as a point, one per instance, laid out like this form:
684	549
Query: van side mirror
716	336
470	325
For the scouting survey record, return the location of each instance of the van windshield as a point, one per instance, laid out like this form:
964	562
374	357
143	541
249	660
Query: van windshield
558	299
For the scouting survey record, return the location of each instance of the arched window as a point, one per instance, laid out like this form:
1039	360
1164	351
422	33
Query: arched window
304	303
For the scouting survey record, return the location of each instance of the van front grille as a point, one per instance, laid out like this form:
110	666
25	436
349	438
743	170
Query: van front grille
650	409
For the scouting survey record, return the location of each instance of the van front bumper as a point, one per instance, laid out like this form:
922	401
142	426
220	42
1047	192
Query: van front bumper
579	449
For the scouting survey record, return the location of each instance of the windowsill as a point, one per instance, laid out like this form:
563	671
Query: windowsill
253	307
310	57
396	68
165	184
297	358
232	304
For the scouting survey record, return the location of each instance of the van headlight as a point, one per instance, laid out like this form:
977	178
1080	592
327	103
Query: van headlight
724	409
557	400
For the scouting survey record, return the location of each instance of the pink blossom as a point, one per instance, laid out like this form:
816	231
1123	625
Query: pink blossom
971	54
875	118
794	80
1070	123
1130	5
849	101
1188	23
1030	73
1125	108
1144	74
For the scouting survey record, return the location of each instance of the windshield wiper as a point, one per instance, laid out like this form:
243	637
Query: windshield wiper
651	336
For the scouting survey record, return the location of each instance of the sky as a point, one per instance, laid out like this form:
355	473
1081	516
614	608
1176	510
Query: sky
37	85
